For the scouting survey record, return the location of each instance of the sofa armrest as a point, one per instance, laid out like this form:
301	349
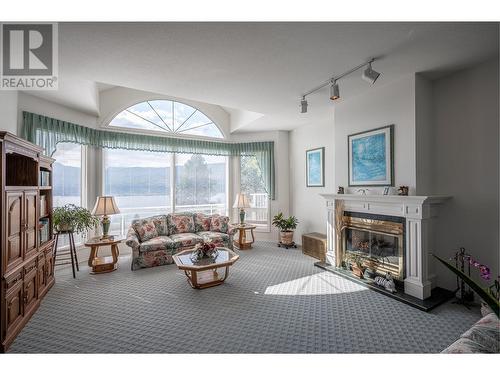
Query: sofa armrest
132	239
231	229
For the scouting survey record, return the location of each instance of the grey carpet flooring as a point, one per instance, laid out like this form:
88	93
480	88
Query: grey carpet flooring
274	301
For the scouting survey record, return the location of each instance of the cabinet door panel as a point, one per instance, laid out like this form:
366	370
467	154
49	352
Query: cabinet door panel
30	289
49	263
13	306
30	233
13	255
42	273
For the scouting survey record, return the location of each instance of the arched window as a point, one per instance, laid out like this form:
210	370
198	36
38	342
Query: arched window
167	116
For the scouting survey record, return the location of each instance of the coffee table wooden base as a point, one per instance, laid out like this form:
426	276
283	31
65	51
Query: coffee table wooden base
205	279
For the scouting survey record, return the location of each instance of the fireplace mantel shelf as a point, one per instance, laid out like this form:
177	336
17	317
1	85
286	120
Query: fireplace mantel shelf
413	199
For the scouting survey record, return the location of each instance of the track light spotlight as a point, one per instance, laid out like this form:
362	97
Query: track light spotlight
334	91
303	105
370	75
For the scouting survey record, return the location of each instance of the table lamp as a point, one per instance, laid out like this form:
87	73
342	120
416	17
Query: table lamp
105	206
242	202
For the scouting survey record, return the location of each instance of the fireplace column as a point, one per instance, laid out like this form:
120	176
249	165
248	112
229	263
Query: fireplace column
330	233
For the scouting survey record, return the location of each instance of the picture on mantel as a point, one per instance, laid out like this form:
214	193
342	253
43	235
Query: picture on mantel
371	159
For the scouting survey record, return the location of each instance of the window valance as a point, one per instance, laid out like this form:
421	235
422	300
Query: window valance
47	132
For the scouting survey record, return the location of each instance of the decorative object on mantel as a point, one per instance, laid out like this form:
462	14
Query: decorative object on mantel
370	157
315	167
362	191
286	227
491	294
386	190
403	190
340	190
206	249
387	282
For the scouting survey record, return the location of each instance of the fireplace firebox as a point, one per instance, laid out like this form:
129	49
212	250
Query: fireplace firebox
378	239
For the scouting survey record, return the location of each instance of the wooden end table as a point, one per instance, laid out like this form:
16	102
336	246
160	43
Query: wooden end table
204	273
242	242
103	264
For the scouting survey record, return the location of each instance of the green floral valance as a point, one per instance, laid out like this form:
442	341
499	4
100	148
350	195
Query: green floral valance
47	132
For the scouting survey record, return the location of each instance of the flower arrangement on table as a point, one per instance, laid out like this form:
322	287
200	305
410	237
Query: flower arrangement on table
490	294
205	249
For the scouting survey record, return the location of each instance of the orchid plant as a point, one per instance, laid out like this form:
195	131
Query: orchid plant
489	294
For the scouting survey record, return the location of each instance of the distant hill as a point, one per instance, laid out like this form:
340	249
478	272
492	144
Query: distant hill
130	181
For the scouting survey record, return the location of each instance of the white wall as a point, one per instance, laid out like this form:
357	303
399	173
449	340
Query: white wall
8	111
466	164
44	107
393	103
425	142
305	202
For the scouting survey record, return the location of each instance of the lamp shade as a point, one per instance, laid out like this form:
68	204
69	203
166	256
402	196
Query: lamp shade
241	201
105	206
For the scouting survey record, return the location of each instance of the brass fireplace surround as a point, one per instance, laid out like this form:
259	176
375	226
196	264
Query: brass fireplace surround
388	228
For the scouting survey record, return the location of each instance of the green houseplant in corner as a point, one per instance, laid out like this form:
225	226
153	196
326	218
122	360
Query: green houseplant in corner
71	218
286	227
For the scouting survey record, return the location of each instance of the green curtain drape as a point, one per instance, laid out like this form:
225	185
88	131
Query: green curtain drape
47	132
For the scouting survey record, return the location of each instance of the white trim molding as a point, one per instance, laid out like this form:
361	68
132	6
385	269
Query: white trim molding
420	213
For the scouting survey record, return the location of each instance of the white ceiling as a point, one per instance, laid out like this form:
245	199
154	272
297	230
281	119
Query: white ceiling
257	67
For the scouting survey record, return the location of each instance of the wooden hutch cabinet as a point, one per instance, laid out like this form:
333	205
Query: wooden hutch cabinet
26	262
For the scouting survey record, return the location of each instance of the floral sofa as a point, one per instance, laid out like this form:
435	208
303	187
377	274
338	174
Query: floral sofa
155	239
482	337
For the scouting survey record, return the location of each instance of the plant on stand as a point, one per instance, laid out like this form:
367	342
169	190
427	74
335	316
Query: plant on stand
286	227
71	218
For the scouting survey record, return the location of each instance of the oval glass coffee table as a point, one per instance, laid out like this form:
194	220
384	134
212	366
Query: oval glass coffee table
204	273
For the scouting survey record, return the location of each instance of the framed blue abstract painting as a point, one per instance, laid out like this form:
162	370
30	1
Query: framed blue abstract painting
371	160
315	167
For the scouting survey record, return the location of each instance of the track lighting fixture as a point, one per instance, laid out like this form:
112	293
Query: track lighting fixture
370	75
303	105
334	91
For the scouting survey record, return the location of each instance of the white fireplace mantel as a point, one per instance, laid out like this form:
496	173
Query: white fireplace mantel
420	213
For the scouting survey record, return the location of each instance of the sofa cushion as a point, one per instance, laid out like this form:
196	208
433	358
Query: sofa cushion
202	222
463	345
180	223
185	239
145	229
486	332
161	225
219	224
213	236
157	243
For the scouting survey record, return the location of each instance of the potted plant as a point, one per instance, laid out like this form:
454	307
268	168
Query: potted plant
286	227
71	218
357	266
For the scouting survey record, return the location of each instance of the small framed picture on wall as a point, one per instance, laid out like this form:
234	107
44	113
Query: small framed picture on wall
315	167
